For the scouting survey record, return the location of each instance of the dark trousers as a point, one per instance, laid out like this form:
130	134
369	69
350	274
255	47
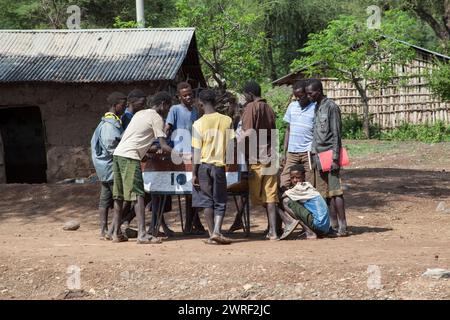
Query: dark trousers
213	189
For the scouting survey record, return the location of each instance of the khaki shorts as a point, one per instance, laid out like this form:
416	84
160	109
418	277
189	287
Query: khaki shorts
329	183
263	188
291	160
128	180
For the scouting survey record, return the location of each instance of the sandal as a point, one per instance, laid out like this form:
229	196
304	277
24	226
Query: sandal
220	239
210	242
289	229
119	238
149	240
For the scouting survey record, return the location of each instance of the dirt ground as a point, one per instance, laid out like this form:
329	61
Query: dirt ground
392	196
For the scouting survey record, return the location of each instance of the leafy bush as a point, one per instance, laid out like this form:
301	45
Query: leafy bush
439	80
428	133
352	128
278	99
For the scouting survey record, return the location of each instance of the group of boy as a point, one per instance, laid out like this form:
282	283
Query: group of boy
119	144
314	126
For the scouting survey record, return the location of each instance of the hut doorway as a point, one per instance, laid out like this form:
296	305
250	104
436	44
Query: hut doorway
23	140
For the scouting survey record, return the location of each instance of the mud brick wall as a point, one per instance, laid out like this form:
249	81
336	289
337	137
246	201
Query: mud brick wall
70	114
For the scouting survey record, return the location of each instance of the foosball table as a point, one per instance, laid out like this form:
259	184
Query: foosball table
163	178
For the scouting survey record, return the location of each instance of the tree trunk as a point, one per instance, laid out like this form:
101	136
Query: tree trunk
440	28
269	38
214	71
362	90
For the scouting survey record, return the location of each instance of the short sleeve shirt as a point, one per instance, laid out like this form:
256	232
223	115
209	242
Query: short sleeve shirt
181	120
212	134
144	127
301	122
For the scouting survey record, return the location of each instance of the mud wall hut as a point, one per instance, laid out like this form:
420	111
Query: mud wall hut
54	85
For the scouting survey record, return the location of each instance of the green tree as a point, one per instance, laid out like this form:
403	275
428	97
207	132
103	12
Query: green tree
439	80
39	14
287	24
230	44
436	13
348	50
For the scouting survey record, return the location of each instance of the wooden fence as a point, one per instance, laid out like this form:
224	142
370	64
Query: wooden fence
412	102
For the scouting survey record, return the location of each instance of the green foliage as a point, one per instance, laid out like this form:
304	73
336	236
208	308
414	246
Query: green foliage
279	98
230	44
287	24
352	128
38	14
118	23
243	39
352	52
425	133
439	80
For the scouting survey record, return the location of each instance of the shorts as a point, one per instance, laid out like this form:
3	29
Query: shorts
263	188
302	213
128	180
329	183
291	160
213	189
106	195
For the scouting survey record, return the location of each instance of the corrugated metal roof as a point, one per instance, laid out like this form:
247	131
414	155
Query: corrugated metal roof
101	55
433	53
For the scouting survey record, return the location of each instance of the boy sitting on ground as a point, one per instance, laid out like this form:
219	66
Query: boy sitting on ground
305	203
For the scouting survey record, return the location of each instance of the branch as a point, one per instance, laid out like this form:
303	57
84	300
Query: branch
446	16
213	69
441	31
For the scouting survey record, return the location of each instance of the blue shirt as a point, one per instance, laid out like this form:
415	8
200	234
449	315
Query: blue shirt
181	120
319	210
104	141
301	123
126	118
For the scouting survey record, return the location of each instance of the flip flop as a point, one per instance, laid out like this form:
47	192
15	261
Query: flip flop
271	238
210	242
220	239
342	234
289	229
151	240
120	238
304	236
105	237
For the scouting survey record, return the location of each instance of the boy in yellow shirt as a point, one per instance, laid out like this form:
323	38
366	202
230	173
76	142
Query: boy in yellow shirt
211	136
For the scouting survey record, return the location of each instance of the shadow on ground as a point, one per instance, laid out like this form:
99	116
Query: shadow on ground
367	188
373	188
